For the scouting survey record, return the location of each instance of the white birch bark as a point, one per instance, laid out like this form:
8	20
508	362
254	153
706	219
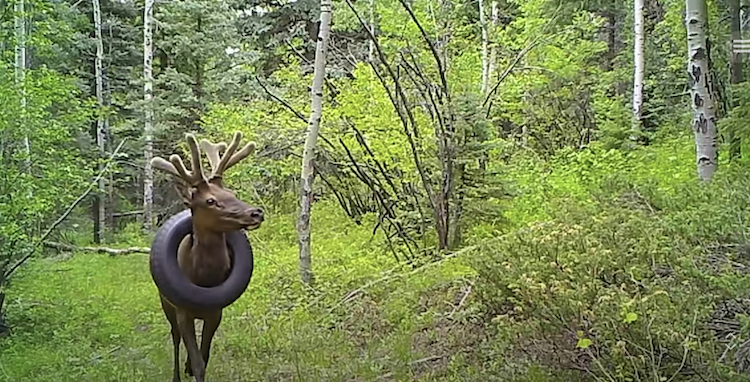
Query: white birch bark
100	133
702	103
493	47
639	64
485	55
308	174
20	70
148	81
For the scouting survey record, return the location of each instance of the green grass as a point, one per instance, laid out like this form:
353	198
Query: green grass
97	318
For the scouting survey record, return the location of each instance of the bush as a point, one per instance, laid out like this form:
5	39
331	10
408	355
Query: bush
631	275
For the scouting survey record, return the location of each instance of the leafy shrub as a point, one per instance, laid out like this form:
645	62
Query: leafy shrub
625	277
38	180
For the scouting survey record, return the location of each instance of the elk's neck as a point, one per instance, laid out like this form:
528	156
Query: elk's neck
210	263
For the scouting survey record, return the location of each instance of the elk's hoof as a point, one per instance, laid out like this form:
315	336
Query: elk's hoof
173	283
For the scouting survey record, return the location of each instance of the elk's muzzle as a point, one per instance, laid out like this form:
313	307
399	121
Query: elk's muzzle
251	218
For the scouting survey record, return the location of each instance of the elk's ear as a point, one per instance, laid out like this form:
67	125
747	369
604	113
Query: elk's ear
185	194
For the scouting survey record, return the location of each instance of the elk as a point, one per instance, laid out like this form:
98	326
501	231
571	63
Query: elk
201	260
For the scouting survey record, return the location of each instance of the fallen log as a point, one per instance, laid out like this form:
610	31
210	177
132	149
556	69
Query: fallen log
110	251
124	214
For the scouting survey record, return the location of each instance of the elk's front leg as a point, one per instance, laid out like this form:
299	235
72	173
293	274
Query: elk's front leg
187	328
210	324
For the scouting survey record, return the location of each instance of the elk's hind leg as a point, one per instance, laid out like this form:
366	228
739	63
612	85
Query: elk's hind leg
171	314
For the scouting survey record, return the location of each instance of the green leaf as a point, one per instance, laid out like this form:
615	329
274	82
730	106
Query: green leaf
630	317
583	343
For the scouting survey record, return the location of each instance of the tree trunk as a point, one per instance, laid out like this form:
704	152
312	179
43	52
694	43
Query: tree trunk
736	31
491	68
99	203
20	69
455	234
198	88
485	55
493	47
3	325
639	65
308	173
148	82
611	16
702	102
448	134
736	75
371	44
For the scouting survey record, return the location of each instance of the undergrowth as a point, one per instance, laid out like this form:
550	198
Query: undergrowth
97	318
628	274
609	266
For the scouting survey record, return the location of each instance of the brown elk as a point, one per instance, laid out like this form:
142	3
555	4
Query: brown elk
200	260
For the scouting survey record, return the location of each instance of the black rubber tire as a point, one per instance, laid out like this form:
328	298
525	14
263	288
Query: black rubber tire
177	288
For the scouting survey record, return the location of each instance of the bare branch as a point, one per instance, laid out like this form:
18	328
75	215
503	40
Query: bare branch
434	51
509	69
407	111
281	101
390	274
291	108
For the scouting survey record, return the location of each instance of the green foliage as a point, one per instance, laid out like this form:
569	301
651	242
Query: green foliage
540	187
40	164
626	259
194	66
36	187
734	124
551	101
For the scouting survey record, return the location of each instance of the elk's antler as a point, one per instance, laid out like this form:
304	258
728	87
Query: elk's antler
176	167
220	163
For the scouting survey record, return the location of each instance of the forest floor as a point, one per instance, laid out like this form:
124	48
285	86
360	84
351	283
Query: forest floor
92	317
596	249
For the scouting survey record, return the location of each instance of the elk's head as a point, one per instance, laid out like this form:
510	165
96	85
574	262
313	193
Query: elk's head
214	208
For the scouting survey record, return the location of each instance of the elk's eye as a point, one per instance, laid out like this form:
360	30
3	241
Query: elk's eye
210	202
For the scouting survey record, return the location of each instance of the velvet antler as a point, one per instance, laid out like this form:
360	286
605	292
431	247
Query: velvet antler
220	163
176	167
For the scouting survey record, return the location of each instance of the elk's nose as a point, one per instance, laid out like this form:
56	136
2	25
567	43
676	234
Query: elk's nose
256	213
